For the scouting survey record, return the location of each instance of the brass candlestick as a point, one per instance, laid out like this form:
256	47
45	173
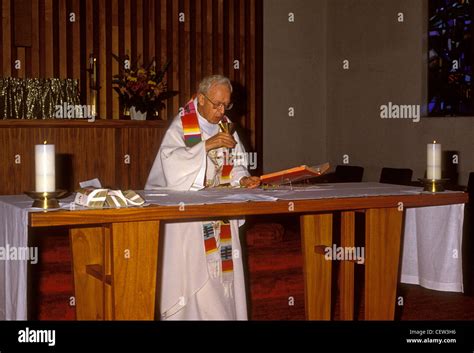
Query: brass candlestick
433	185
46	200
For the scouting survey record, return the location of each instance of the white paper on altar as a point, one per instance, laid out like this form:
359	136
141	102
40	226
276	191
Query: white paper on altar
165	197
432	255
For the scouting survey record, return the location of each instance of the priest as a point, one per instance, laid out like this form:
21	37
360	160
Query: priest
202	274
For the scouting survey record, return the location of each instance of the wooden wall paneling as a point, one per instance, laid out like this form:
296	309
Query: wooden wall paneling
207	42
198	33
141	145
248	64
127	49
22	23
213	35
173	27
156	38
1	33
141	59
13	49
83	152
138	38
107	62
55	43
77	62
237	55
192	46
258	78
214	10
187	54
122	176
6	38
148	27
128	35
121	42
160	39
69	51
102	62
92	153
95	18
220	37
89	40
63	52
29	40
204	39
228	39
41	37
21	56
11	172
162	45
181	74
28	68
84	53
251	70
133	32
115	50
35	58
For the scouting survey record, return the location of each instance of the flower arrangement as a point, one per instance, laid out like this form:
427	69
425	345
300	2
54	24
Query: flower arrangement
143	88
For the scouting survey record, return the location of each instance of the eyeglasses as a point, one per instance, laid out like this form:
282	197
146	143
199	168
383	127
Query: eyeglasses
220	105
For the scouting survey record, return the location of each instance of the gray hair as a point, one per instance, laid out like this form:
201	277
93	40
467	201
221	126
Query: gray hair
209	81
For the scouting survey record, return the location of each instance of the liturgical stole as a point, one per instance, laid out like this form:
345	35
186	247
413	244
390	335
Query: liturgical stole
192	136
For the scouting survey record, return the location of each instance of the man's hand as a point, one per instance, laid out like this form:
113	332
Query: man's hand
250	182
219	140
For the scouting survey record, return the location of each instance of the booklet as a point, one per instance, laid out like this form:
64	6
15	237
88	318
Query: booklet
295	174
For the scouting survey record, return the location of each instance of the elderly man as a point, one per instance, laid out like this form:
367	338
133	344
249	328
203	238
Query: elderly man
203	275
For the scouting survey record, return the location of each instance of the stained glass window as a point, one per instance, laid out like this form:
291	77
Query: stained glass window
450	58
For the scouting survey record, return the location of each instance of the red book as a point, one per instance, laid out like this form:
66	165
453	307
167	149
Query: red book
295	174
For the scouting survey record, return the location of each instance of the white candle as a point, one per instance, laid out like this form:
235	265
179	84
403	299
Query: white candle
433	169
44	168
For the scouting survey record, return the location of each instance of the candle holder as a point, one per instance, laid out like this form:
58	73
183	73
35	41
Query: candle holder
46	200
433	185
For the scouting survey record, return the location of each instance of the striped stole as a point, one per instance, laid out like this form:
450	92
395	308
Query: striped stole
192	136
219	253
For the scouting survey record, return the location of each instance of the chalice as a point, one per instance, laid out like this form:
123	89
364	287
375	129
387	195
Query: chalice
227	127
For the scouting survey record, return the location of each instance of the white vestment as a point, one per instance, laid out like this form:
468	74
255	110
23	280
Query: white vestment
188	290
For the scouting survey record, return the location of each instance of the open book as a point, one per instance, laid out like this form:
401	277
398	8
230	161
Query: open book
295	174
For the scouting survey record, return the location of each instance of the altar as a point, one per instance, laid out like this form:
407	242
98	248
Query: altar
111	286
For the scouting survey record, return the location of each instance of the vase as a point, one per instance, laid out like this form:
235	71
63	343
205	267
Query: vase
136	114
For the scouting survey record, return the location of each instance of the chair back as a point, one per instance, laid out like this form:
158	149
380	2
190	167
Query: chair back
399	176
348	174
